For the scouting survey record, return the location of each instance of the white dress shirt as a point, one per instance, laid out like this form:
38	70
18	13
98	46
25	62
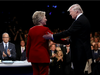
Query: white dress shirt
78	16
22	49
4	44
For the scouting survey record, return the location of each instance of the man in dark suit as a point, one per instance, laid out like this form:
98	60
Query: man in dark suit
79	33
96	60
21	51
7	48
67	59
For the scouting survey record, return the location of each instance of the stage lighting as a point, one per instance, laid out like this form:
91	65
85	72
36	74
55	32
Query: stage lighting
50	13
55	6
47	5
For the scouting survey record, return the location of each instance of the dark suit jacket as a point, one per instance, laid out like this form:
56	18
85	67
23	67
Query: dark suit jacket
11	46
66	61
79	33
51	52
95	56
19	55
95	65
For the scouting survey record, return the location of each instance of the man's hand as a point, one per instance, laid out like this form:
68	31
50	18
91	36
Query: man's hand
8	52
48	36
4	55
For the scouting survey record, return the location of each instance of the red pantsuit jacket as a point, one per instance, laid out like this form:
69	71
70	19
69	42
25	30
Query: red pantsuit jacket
37	50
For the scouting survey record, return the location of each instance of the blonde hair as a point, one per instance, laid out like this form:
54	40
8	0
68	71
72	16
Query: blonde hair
76	7
58	52
37	17
58	48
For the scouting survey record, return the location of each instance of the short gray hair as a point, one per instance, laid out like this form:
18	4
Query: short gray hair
5	33
76	7
37	17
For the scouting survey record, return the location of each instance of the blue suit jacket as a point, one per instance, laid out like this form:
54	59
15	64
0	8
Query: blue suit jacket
12	49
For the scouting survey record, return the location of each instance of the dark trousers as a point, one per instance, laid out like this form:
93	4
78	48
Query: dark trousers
79	68
95	68
40	68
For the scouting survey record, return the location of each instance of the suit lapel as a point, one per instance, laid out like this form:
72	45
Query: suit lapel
9	45
3	49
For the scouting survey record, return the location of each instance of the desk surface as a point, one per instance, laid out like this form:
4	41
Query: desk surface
16	64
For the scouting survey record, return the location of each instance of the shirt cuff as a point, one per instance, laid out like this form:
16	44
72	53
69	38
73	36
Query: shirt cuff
66	53
94	60
10	55
52	37
2	57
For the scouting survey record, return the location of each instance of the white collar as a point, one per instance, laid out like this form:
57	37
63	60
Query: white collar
5	43
96	51
78	16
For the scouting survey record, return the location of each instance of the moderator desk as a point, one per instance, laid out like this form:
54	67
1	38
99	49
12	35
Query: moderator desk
16	68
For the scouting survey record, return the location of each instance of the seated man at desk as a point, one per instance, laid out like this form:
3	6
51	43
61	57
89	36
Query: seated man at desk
21	51
7	49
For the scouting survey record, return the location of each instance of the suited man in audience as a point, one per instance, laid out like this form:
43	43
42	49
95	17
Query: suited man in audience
7	49
21	51
67	59
79	33
96	60
53	52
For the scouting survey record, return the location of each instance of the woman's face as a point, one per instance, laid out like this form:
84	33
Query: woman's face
43	21
59	53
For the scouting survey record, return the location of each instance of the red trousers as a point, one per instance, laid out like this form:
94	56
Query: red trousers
40	68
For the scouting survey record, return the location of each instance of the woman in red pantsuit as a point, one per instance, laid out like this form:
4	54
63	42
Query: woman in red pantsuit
37	51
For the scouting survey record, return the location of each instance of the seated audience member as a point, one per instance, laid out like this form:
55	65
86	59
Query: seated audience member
96	40
96	60
7	49
21	51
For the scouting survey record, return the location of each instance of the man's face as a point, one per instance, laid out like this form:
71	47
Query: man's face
22	43
73	13
5	38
